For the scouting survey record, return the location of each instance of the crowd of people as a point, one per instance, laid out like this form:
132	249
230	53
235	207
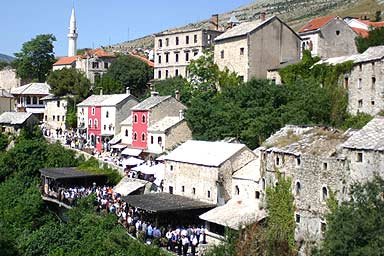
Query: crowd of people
69	195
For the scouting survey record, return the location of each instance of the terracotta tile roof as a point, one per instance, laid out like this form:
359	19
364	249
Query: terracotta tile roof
150	63
372	23
99	53
66	60
360	32
316	23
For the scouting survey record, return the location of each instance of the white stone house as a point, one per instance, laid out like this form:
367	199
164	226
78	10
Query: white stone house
7	101
54	113
203	170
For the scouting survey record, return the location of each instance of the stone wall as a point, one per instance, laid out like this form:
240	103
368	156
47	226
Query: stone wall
169	107
123	111
177	135
55	114
8	79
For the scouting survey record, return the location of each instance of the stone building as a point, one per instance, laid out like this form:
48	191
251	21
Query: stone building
365	82
55	112
7	101
203	170
312	158
13	122
327	37
251	48
155	125
8	79
175	49
362	27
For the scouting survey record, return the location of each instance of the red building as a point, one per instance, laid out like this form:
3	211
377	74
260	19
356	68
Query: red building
94	130
140	128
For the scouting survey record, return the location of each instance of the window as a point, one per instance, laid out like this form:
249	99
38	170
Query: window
105	65
34	100
159	59
373	82
237	190
104	127
176	72
195	39
63	118
360	67
159	74
346	82
53	118
151	139
195	53
263	183
171	168
297	218
187	56
126	132
209	39
159	140
182	189
194	191
359	157
222	54
257	194
298	188
135	136
107	114
323	226
135	118
325	166
160	43
360	104
166	73
166	41
242	51
58	118
170	189
28	100
95	123
143	119
324	193
359	84
45	118
186	39
298	161
372	102
95	64
209	194
337	32
176	57
177	40
143	137
277	160
89	123
93	111
167	57
58	103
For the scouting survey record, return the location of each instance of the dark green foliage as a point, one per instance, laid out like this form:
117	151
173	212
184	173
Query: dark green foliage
375	38
377	16
93	166
3	142
3	65
36	58
355	227
71	116
356	122
69	81
280	223
171	85
228	247
126	71
82	51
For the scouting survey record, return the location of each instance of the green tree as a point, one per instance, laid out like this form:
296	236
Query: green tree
355	227
171	85
126	71
69	81
375	38
36	58
280	223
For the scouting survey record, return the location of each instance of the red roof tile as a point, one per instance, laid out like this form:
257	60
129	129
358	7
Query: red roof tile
316	23
150	63
361	32
99	53
372	23
66	60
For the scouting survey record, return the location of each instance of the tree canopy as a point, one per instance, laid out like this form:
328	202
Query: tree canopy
36	58
375	38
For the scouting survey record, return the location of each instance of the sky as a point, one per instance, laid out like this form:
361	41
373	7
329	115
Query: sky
99	23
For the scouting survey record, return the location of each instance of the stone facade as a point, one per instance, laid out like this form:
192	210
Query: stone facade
251	48
8	79
55	113
174	50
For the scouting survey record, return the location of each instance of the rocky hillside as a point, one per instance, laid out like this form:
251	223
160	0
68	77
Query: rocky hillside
5	58
294	12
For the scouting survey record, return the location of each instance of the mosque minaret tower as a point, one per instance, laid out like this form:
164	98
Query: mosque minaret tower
72	35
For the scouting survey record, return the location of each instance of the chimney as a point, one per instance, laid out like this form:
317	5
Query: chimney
214	23
101	91
127	90
181	114
263	14
153	93
177	95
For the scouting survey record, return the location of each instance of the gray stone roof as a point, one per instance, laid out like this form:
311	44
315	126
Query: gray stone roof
242	29
104	100
310	140
150	102
5	94
165	123
14	118
32	89
370	137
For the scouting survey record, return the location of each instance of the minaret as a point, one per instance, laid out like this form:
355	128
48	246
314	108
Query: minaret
72	35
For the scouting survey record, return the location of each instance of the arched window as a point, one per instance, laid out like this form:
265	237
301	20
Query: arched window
126	132
298	188
237	190
324	193
28	100
90	123
160	43
135	118
34	100
257	194
143	118
263	183
135	136
95	122
107	114
93	111
159	140
143	137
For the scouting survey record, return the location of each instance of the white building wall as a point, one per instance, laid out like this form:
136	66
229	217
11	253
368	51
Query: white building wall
108	124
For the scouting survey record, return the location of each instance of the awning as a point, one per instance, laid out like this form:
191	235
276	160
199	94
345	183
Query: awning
115	140
119	146
132	161
236	213
127	186
35	110
131	152
146	169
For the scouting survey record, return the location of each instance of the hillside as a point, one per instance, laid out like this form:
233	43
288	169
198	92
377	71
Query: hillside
5	58
294	12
